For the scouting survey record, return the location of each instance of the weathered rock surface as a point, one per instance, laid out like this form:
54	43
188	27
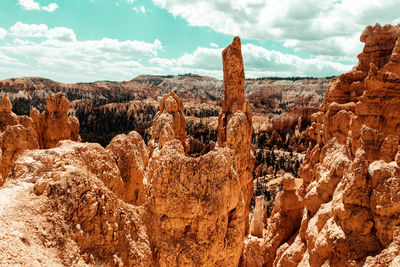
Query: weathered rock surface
54	124
257	223
187	211
16	135
63	211
350	179
7	117
131	155
19	133
235	122
198	207
169	123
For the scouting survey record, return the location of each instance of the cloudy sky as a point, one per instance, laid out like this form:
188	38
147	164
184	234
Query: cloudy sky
89	40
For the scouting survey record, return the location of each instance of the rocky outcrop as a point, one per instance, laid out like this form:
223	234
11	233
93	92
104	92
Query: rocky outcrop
16	135
235	122
257	222
131	155
169	123
187	211
19	133
198	207
350	179
61	207
7	117
54	124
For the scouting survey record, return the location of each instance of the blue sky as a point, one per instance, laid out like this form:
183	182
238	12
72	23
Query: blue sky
88	40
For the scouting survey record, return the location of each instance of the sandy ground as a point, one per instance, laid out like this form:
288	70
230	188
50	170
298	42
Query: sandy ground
26	243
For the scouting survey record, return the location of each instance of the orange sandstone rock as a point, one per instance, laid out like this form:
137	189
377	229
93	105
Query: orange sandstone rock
7	117
350	176
169	123
66	213
131	155
235	122
257	223
53	124
196	208
196	205
19	133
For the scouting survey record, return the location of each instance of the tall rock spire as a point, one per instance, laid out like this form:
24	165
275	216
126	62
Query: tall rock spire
235	125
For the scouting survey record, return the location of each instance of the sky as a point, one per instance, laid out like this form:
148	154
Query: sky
91	40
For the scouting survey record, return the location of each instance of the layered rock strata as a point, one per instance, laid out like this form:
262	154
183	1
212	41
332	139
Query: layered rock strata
348	203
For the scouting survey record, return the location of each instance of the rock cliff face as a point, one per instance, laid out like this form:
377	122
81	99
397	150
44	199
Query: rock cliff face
346	210
131	155
169	123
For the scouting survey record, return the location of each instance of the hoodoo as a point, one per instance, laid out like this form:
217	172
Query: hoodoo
235	125
198	207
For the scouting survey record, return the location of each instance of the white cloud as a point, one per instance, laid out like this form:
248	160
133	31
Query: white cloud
29	4
3	33
311	23
32	5
139	9
58	51
258	62
214	45
62	34
41	30
28	30
50	8
49	52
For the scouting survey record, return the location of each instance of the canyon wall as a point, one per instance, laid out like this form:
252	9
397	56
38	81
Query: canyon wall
345	209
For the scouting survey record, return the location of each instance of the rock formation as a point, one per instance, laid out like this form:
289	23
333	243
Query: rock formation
198	207
169	123
235	122
64	214
257	223
53	124
7	117
16	135
346	210
187	211
131	155
19	133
